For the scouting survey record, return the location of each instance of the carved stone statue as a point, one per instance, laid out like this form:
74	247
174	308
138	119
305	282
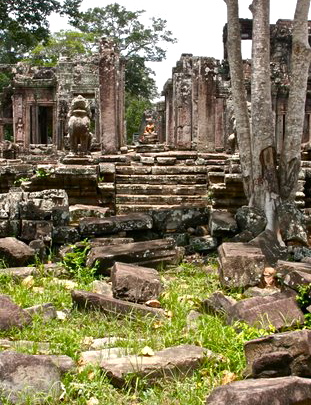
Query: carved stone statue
79	126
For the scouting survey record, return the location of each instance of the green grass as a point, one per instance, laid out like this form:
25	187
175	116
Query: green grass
185	287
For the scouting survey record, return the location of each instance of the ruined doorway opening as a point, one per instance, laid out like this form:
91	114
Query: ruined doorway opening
8	132
41	124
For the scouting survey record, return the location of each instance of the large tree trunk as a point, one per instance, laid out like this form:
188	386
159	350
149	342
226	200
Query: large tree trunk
266	192
239	94
300	62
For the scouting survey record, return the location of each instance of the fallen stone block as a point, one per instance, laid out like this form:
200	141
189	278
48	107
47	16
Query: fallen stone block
19	273
270	247
108	305
80	211
168	363
90	227
293	349
23	375
222	224
15	253
241	265
265	391
12	315
135	283
218	304
142	253
95	357
277	310
179	219
46	311
203	243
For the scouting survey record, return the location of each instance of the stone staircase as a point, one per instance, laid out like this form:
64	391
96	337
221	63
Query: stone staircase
165	180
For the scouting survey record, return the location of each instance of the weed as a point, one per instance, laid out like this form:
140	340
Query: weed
75	262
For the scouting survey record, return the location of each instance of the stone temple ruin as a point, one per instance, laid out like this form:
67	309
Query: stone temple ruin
182	161
67	172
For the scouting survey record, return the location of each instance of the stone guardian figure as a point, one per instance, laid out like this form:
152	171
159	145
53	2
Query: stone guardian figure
79	126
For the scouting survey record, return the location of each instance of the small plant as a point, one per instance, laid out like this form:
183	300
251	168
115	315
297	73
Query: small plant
20	180
42	172
304	296
75	262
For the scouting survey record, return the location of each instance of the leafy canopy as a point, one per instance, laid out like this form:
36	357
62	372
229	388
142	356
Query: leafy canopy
24	23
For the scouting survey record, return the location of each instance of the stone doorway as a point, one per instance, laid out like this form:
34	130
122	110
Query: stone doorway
41	124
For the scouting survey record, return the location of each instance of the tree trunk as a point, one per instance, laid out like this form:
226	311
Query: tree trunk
300	63
239	94
266	192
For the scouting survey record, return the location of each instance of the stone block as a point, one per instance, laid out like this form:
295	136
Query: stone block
169	363
179	219
60	216
159	250
203	243
32	230
265	391
222	223
100	226
65	235
277	310
15	252
218	304
92	301
241	265
24	375
80	211
135	283
12	315
46	311
262	355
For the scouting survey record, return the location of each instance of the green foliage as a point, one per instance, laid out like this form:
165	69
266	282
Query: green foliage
66	43
24	24
304	296
75	262
135	107
137	42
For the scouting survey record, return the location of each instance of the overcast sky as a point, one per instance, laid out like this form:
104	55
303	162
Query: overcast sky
197	25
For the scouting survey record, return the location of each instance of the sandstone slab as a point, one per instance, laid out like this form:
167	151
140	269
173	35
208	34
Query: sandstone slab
293	348
14	252
277	310
91	227
241	265
135	283
168	363
142	253
23	375
12	315
265	391
108	305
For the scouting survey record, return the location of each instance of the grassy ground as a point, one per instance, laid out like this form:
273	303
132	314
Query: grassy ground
185	287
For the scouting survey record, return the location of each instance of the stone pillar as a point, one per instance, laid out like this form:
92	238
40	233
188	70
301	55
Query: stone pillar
160	122
169	118
182	93
19	119
111	98
206	104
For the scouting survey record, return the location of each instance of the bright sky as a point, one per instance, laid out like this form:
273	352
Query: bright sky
197	24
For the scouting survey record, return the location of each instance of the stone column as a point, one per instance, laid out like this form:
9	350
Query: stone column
206	105
110	97
169	119
182	91
19	120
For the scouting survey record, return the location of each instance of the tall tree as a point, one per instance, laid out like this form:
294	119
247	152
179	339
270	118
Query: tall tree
137	42
24	23
267	185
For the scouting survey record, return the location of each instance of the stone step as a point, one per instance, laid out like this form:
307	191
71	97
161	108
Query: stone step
216	177
162	179
146	208
178	169
159	199
159	189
